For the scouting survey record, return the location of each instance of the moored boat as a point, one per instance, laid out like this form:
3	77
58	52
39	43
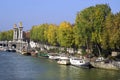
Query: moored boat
25	53
79	62
54	56
63	60
43	54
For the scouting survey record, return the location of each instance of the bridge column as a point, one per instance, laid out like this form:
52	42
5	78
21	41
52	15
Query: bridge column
20	36
15	38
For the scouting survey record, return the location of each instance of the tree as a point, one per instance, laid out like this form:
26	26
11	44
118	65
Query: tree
112	28
116	31
107	31
34	33
6	35
52	34
65	34
101	12
10	35
37	33
77	38
90	22
84	24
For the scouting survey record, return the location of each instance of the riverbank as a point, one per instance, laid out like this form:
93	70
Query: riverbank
114	65
102	64
110	66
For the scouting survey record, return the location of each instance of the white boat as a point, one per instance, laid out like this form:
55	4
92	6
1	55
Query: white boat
63	60
79	62
53	56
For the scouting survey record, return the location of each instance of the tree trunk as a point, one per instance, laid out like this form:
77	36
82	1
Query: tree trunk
99	49
88	47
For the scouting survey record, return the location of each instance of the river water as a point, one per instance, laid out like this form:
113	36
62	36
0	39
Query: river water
14	66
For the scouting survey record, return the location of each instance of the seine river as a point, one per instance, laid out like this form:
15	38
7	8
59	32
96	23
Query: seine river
14	66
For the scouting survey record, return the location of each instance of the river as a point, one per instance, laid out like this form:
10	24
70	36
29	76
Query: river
14	66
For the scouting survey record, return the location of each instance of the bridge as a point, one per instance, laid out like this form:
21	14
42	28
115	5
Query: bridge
17	43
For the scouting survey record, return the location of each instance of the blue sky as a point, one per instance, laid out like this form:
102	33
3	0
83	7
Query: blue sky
34	12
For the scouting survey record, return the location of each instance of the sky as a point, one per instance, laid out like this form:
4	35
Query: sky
35	12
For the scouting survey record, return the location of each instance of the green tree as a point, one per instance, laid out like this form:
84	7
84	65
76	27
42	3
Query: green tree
10	35
101	12
107	31
37	33
90	22
112	28
116	30
84	24
6	35
34	33
77	37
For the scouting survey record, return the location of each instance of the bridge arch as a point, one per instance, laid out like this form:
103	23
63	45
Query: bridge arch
14	46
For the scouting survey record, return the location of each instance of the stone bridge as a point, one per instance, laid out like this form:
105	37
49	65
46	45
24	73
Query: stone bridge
17	42
18	45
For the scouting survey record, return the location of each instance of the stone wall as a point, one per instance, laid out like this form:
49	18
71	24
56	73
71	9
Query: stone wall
104	65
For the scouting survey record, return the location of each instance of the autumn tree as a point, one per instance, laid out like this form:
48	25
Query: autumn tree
65	34
51	33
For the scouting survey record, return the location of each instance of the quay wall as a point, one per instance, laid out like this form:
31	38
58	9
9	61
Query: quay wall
103	65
